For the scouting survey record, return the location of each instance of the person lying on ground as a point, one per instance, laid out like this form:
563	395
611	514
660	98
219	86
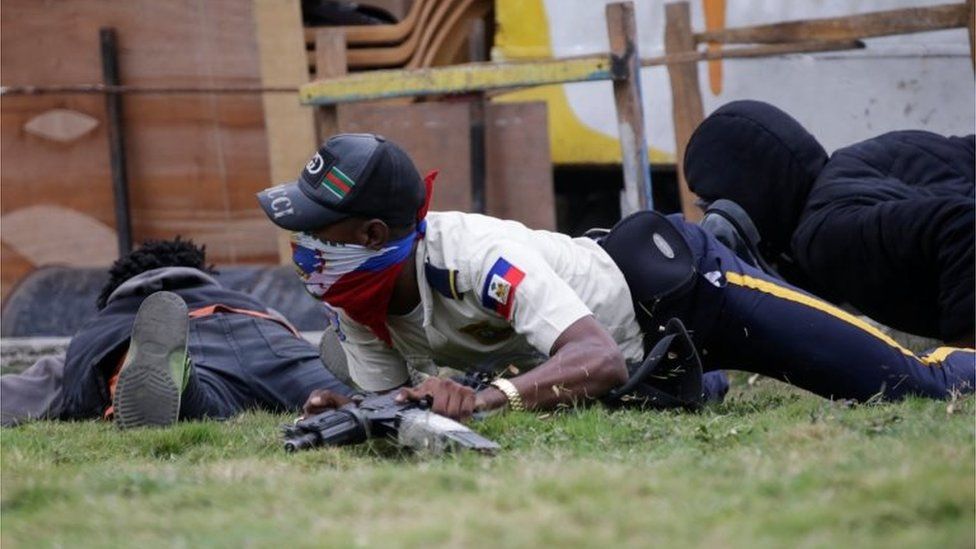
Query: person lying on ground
470	291
885	225
169	342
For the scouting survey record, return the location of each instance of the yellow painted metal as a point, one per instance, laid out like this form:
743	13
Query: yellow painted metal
454	79
521	31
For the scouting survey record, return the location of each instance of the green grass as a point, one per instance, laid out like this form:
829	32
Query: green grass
769	468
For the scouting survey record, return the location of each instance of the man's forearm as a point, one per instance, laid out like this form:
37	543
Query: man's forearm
571	376
585	365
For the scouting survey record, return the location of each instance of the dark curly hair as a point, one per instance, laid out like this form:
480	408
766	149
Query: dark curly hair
154	254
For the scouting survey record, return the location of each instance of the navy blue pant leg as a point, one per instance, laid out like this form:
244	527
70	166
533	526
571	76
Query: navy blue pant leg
744	319
715	385
242	362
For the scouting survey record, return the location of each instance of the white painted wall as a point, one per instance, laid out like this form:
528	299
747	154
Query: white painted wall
920	81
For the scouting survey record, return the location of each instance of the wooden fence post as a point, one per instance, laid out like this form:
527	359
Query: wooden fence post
625	62
289	127
330	62
686	98
972	32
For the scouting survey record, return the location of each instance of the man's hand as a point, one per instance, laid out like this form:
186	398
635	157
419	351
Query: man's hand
449	398
321	400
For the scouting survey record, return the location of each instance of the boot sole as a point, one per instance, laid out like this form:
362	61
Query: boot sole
146	394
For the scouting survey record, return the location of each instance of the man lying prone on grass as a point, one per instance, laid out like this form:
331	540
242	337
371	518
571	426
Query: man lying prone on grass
408	288
170	342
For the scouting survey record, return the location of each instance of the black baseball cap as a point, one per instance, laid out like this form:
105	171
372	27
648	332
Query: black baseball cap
358	174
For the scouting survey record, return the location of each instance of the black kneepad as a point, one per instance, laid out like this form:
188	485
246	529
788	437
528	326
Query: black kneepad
655	260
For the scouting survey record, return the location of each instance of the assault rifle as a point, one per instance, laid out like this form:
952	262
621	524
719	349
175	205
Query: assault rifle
411	424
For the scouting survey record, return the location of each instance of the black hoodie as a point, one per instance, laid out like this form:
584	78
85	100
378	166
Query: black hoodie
885	225
888	226
761	158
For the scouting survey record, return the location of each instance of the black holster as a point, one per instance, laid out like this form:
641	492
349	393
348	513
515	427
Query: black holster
669	377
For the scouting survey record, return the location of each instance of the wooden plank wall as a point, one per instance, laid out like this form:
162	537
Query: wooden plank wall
425	131
519	181
290	126
436	135
195	162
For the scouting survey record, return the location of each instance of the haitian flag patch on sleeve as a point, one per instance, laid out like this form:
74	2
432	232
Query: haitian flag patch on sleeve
500	284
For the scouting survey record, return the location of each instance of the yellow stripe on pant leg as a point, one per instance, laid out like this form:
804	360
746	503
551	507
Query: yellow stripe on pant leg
939	354
789	294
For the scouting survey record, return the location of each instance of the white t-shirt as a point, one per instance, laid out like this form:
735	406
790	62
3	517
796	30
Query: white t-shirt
503	294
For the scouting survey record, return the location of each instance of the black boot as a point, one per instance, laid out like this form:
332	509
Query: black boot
731	225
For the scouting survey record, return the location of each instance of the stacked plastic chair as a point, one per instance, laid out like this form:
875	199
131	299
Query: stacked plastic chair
433	32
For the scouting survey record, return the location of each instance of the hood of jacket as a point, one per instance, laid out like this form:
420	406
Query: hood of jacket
761	158
163	278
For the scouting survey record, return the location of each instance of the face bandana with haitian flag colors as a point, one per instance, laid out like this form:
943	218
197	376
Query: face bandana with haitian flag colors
354	278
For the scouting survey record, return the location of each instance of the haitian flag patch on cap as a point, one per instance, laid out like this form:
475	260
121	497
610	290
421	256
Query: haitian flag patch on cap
498	293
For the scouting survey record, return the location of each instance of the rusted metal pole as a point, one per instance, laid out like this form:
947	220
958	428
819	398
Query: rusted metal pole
119	89
625	69
479	167
479	116
116	140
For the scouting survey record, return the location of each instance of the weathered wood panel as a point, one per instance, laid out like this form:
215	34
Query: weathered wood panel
519	181
195	162
290	127
436	135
